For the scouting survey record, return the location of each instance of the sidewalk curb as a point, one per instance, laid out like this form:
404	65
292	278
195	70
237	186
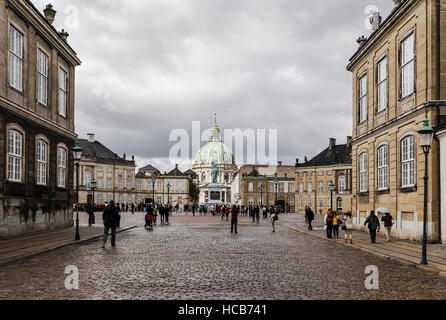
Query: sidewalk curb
51	248
417	266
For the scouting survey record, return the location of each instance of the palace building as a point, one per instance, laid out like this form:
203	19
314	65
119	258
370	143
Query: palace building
114	175
37	97
398	76
326	178
267	185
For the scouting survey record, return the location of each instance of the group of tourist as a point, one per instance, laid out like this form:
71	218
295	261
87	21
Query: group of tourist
236	211
333	222
152	212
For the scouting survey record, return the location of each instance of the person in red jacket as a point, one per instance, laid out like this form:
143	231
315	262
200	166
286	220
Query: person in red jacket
234	219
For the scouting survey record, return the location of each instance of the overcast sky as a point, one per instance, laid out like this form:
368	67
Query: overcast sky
151	66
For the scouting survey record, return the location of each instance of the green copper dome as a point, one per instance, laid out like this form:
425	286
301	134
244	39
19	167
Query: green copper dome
215	151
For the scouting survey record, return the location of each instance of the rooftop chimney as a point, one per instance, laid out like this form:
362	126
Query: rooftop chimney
332	143
375	20
279	163
176	166
133	158
90	137
361	41
49	13
125	156
64	34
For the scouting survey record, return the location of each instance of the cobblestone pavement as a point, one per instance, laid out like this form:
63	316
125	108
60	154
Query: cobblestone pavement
198	258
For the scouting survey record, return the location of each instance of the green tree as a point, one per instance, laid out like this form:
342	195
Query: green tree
194	192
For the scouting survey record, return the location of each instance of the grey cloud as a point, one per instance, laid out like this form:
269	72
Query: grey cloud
153	66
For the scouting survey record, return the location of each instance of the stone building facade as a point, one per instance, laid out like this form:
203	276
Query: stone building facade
114	175
178	193
313	178
37	134
116	178
398	77
268	186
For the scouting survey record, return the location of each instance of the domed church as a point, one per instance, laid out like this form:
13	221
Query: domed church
215	164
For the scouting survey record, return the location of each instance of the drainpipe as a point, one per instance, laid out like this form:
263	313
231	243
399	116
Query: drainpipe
438	44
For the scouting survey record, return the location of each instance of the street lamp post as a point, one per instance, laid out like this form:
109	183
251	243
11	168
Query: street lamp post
77	153
276	185
168	192
331	186
153	186
261	195
93	188
426	135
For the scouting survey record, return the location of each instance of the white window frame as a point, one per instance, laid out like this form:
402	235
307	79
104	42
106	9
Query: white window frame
41	162
42	77
138	185
62	154
382	76
309	187
251	187
88	180
15	155
291	187
341	184
408	162
301	187
109	183
408	65
382	167
63	92
363	172
362	98
15	58
321	187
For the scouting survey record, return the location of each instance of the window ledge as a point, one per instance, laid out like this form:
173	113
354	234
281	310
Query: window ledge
378	113
408	96
363	194
408	189
383	191
21	92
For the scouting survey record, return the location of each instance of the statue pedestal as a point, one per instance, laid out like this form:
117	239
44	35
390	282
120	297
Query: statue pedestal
215	193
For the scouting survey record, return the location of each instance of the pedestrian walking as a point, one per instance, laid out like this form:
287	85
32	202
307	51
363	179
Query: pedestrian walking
234	219
110	219
336	223
91	218
373	222
348	227
274	218
388	224
309	217
155	215
167	213
119	209
328	219
162	214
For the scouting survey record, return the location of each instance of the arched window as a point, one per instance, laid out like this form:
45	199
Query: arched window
341	183
363	172
383	168
61	167
15	155
408	162
42	161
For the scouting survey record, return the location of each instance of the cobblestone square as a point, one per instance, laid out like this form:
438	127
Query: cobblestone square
198	258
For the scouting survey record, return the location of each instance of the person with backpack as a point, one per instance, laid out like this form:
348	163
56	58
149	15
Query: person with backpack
110	219
329	223
374	225
335	226
309	217
388	224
